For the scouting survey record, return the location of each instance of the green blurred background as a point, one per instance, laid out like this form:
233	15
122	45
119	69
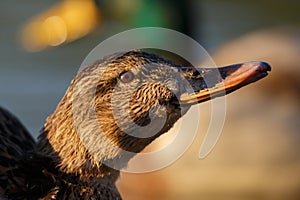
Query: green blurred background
257	156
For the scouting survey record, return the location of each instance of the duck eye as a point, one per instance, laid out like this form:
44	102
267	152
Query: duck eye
127	77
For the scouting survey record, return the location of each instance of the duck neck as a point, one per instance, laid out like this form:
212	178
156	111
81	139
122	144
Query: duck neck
60	141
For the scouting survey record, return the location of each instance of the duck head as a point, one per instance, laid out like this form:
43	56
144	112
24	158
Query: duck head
116	106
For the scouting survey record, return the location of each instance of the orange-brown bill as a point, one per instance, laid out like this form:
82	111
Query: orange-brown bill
230	78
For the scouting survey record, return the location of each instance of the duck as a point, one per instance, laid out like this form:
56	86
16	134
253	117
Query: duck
111	111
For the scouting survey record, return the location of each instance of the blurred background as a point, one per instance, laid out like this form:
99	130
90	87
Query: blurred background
257	157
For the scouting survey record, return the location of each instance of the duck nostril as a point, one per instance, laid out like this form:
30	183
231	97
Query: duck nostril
162	102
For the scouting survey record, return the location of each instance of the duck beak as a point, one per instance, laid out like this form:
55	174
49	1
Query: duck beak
208	83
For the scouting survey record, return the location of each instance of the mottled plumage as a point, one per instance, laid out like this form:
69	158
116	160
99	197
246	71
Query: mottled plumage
112	107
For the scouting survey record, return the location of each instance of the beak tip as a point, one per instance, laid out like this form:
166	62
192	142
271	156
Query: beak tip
264	66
